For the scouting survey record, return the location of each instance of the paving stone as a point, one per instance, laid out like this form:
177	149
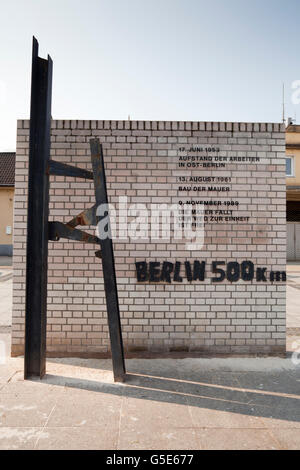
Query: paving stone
74	438
237	439
288	438
286	422
86	408
20	438
156	425
216	418
27	410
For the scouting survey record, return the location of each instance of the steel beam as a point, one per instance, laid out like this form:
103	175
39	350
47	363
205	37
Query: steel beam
59	230
39	230
37	216
62	169
87	217
108	266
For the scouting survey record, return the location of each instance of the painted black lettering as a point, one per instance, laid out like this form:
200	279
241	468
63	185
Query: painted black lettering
141	271
199	270
177	277
154	271
167	269
217	270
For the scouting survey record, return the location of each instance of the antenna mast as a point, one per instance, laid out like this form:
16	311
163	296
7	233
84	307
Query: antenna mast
283	106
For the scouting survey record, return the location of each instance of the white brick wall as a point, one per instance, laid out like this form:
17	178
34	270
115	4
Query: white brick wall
197	317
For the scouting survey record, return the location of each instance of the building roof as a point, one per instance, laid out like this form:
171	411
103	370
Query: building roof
7	168
292	128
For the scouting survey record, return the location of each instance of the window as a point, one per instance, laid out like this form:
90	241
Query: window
289	166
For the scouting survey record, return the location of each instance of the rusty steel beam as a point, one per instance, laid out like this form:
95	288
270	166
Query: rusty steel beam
59	230
87	217
108	267
37	216
62	169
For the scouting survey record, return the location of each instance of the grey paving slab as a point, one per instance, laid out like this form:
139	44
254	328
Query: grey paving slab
156	425
152	389
14	438
17	386
288	438
214	377
222	415
27	410
283	423
85	408
73	438
7	371
77	364
270	406
284	382
154	386
231	407
246	415
237	439
162	368
179	390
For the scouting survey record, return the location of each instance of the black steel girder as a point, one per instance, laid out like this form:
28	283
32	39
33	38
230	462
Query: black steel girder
37	216
40	230
108	266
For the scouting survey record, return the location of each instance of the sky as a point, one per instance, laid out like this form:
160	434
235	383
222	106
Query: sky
223	60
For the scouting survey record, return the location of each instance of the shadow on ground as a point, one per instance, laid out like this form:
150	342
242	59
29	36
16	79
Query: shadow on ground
269	394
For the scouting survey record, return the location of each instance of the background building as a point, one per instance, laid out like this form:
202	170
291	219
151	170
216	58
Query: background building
293	191
7	189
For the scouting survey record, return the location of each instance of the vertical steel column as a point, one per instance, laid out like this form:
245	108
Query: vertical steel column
108	266
37	216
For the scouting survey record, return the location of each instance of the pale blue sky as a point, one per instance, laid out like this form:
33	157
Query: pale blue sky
223	60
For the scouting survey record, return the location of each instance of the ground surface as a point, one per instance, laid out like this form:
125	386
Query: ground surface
164	404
